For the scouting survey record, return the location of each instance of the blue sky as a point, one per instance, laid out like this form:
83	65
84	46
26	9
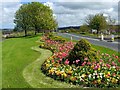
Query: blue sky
66	12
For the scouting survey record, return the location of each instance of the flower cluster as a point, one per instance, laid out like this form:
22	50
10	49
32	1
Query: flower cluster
100	73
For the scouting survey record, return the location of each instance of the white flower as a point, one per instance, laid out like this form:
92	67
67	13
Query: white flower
94	74
93	77
98	76
89	75
113	67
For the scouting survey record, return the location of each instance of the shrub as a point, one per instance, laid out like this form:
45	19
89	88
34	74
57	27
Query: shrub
81	51
58	39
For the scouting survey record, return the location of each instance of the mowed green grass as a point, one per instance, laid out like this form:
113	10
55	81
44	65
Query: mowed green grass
16	55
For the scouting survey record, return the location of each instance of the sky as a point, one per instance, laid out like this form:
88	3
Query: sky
66	12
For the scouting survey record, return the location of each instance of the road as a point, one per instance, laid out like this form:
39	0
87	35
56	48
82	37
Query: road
112	45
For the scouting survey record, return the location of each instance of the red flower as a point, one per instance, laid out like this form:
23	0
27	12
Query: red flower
119	60
116	57
52	61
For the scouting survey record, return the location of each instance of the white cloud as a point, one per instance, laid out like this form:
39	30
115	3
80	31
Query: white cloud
85	0
68	13
8	11
110	10
9	0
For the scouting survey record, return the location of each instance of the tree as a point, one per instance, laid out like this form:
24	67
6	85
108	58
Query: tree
97	22
35	15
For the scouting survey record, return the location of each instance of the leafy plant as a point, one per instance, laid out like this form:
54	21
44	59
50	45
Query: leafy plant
81	51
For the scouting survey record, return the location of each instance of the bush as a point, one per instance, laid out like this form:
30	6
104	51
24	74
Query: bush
58	39
81	51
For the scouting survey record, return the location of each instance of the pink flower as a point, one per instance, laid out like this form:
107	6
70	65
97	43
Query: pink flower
96	67
103	64
85	58
114	74
107	54
60	59
110	59
83	63
113	63
88	63
101	60
66	62
64	54
77	61
108	65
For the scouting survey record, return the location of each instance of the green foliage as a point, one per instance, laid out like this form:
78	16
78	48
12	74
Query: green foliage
81	51
35	16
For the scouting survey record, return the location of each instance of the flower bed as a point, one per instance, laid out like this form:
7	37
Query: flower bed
104	72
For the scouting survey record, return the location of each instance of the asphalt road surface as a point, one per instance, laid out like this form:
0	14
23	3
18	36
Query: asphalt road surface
112	45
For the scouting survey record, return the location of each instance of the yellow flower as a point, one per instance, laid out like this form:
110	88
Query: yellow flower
99	81
99	69
108	73
83	75
47	65
114	80
64	74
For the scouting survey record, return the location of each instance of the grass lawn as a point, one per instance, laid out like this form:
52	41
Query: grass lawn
18	56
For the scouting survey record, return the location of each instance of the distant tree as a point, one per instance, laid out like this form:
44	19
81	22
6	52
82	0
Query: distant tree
35	15
84	28
111	24
97	22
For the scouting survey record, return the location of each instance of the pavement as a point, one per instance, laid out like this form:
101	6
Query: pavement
112	45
